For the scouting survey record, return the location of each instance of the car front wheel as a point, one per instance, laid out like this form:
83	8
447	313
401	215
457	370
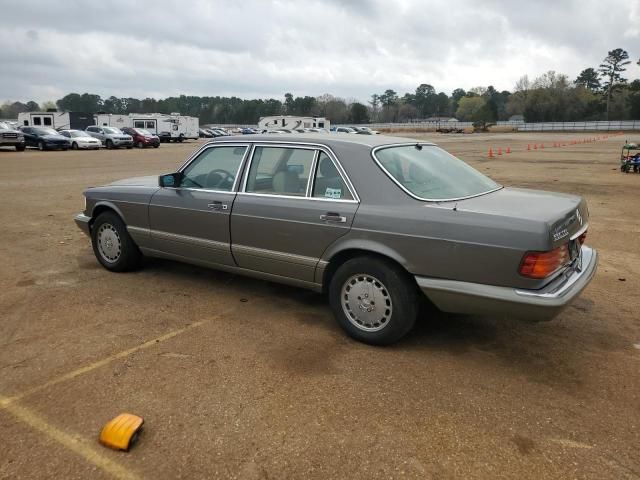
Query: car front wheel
20	148
41	146
112	245
109	144
373	300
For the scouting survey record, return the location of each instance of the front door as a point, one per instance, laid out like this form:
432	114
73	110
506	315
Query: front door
283	220
191	220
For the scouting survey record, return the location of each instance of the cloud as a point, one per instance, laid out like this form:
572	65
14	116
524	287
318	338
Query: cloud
264	49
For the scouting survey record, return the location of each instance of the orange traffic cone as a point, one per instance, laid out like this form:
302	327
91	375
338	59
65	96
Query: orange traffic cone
508	150
542	145
535	147
499	151
490	153
528	146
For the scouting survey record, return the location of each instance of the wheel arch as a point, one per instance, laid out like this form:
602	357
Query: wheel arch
338	255
104	206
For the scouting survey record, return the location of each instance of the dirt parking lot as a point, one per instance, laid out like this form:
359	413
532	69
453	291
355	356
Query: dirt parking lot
239	378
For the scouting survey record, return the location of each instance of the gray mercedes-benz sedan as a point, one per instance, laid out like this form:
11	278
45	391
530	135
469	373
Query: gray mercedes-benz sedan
374	221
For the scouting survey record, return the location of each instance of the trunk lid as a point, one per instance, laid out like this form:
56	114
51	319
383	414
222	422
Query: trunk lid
560	216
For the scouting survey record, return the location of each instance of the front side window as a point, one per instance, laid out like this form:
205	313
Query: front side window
430	173
328	182
215	169
280	171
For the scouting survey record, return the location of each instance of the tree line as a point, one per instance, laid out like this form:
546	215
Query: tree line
598	93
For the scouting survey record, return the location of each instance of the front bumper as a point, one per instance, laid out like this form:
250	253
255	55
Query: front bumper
89	146
82	221
122	143
544	304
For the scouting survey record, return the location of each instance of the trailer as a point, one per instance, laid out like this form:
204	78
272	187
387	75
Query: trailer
56	120
173	127
290	122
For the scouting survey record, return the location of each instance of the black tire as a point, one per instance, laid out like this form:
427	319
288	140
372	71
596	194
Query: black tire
20	148
127	257
74	146
41	146
129	147
64	149
140	145
109	144
393	290
156	145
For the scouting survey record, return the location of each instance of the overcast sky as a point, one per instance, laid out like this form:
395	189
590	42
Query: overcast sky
258	49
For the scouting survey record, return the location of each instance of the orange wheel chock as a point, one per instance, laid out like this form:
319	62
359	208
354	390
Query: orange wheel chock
121	432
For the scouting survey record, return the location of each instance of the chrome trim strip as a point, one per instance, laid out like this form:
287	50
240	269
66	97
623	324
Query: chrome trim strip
319	199
198	242
312	174
435	200
274	255
138	231
579	232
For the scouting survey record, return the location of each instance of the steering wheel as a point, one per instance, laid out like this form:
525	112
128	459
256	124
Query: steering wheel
227	176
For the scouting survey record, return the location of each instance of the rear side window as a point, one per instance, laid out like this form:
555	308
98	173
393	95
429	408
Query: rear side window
430	173
138	124
47	121
36	121
280	171
328	182
149	124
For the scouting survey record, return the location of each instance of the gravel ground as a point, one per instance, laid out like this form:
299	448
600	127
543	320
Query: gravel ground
239	378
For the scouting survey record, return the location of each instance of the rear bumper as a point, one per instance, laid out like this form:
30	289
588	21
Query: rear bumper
544	304
82	221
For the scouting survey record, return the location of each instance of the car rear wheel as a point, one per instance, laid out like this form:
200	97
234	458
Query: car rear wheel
112	245
156	145
109	144
140	145
373	300
20	148
74	146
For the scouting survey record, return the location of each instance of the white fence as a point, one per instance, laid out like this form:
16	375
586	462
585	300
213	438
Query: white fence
615	126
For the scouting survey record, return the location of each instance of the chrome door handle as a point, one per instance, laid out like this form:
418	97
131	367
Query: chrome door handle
217	206
333	217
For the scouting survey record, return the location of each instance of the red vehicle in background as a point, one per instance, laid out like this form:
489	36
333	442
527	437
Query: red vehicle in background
142	138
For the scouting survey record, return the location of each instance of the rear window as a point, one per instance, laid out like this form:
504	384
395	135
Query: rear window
430	173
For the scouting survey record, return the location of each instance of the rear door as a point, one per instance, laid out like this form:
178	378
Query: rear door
191	220
278	225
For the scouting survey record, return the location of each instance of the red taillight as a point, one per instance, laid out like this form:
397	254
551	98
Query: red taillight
582	238
543	264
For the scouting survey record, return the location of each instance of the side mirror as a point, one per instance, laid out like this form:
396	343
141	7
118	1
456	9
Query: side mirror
170	180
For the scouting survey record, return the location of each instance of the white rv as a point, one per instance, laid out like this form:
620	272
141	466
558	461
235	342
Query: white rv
56	120
292	123
173	127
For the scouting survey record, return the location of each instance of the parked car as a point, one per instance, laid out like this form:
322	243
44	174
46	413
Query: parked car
110	137
249	131
365	131
202	133
81	140
374	221
142	138
344	130
10	137
44	138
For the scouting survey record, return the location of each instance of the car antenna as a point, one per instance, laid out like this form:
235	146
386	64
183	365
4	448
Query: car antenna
455	207
418	146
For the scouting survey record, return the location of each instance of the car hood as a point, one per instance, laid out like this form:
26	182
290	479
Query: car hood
558	215
150	181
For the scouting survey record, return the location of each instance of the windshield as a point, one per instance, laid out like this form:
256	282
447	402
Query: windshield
430	173
78	133
111	130
46	131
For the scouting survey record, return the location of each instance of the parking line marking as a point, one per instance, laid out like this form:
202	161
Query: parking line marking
74	443
4	401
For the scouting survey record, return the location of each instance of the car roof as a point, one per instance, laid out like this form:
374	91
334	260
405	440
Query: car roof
327	139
